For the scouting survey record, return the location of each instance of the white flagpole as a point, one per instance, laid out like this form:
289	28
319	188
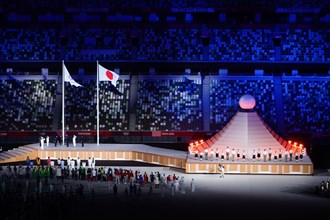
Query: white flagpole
97	106
63	85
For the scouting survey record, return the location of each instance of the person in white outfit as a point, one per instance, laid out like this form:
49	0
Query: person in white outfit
42	141
227	153
89	162
286	153
47	141
212	154
74	141
217	154
265	155
172	189
291	154
270	154
78	163
301	155
206	153
62	164
233	153
193	186
156	181
182	185
93	163
94	173
58	173
176	185
222	171
68	162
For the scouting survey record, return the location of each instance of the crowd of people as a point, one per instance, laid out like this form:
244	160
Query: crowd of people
33	189
323	189
161	110
48	191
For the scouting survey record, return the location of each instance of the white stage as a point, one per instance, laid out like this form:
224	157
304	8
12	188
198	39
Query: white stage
159	156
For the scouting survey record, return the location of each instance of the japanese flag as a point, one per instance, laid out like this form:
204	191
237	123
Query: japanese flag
107	75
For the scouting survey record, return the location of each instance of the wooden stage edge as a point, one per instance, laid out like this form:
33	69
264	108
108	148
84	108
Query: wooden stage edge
274	168
162	157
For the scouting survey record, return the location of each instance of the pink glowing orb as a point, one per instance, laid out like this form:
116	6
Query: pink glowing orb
247	102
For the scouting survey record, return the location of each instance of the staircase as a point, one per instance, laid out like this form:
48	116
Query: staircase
279	103
132	102
18	154
58	107
206	103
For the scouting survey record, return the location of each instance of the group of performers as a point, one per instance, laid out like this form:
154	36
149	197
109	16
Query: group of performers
59	141
268	155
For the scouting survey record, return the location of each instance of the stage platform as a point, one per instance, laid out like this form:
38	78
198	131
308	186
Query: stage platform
304	167
158	156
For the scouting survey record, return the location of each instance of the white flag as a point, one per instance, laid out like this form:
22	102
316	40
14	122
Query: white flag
108	75
68	78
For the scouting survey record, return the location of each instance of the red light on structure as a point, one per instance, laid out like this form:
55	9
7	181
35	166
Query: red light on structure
296	144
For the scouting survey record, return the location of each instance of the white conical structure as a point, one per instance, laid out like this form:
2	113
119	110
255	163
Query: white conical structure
246	131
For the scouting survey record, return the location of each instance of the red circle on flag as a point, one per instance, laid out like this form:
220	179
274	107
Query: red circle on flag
109	75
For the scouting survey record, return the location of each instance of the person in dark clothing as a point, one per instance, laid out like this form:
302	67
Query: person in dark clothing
114	190
60	139
27	161
82	141
56	140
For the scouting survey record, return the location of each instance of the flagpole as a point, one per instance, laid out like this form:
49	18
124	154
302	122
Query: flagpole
97	106
63	127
